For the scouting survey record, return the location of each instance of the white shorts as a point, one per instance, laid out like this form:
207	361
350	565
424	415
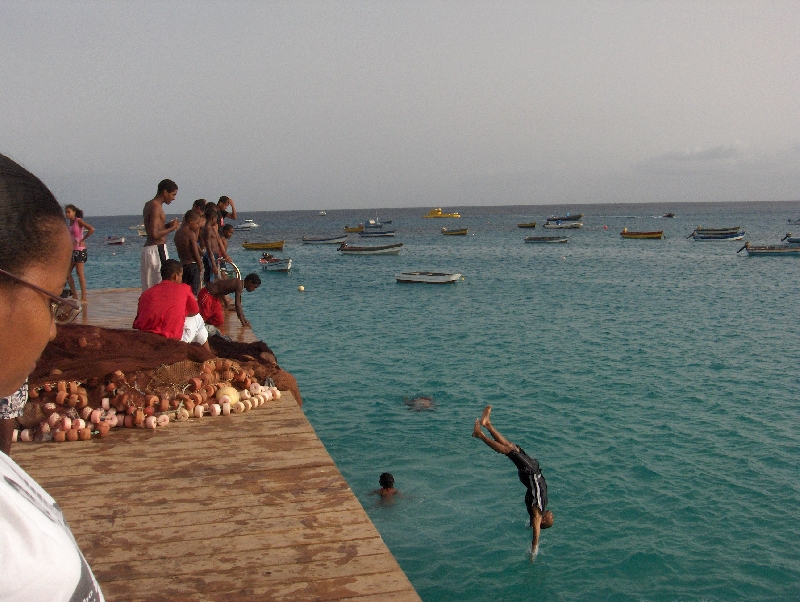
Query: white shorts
151	265
194	330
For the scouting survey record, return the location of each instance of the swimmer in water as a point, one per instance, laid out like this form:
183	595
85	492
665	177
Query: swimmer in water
387	490
529	473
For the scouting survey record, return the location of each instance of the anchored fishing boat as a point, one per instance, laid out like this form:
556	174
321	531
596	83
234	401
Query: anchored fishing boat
324	240
437	212
565	218
354	229
732	233
114	240
275	264
527	225
275	245
374	250
792	240
460	232
785	250
546	239
562	225
375	232
641	235
427	277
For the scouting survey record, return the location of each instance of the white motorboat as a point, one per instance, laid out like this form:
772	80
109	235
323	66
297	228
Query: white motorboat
375	250
561	225
428	277
114	240
247	225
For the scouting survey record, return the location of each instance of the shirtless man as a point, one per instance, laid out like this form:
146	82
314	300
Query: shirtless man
154	252
222	208
529	474
210	298
189	250
210	241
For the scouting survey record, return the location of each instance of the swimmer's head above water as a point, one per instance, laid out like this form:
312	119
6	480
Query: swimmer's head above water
386	480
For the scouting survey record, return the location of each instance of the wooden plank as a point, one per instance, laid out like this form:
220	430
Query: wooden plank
237	508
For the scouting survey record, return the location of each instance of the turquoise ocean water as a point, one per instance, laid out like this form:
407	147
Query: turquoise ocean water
655	380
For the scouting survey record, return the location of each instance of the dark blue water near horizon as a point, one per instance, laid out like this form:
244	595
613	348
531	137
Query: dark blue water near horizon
655	380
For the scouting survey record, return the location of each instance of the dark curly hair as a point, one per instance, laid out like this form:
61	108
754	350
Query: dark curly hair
30	216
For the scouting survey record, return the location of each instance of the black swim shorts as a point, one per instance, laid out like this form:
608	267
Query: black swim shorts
191	276
531	476
79	256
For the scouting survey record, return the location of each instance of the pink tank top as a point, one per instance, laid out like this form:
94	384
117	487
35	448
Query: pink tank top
76	230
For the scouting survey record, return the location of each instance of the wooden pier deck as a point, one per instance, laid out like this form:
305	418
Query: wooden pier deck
235	508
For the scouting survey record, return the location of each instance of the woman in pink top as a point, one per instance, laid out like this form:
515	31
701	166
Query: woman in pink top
80	231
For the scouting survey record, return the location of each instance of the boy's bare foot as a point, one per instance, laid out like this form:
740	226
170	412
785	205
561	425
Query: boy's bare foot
476	432
485	416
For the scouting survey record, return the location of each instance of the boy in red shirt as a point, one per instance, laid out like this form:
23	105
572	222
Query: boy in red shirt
170	309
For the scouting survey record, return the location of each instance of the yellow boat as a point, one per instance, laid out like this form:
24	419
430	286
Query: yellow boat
438	213
276	245
461	232
641	235
358	228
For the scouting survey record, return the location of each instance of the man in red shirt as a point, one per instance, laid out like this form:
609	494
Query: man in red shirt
170	309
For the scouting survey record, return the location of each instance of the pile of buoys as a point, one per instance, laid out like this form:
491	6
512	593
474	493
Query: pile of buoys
221	388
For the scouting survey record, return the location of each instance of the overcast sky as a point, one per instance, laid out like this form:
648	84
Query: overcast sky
327	105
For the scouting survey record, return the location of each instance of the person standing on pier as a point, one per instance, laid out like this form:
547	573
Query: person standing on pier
529	473
154	252
80	231
186	242
223	205
41	559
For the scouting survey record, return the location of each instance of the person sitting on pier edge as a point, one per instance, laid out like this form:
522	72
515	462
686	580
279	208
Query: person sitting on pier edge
170	309
210	298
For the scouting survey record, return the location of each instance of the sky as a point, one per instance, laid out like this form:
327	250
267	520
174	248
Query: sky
340	105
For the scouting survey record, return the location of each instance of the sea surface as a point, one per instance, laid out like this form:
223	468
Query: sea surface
655	380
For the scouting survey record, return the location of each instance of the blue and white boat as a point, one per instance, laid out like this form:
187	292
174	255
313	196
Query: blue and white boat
324	240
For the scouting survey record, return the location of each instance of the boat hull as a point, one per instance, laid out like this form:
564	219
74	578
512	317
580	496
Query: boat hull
785	251
461	232
427	277
354	229
546	239
642	235
115	240
277	265
366	233
731	236
566	218
330	240
527	225
563	225
276	245
438	213
377	250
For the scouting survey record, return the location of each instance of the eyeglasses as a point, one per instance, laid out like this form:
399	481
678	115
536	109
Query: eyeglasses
64	310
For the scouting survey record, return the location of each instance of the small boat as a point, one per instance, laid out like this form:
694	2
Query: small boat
428	277
275	264
142	232
376	223
460	232
791	240
141	227
721	236
527	225
565	218
437	212
794	221
357	228
667	215
114	240
376	250
702	230
322	214
375	232
628	234
275	245
562	225
785	250
546	239
732	233
324	240
247	225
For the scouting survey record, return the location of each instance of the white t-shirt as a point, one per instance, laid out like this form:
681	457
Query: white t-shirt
39	558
